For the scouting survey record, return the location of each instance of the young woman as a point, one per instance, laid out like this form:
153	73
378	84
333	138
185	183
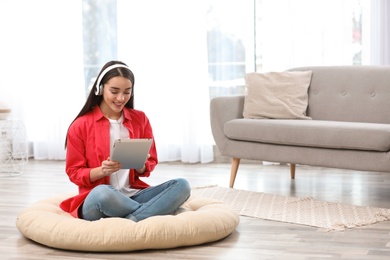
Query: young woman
106	190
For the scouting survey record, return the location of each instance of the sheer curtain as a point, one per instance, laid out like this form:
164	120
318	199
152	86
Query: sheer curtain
42	69
378	33
165	44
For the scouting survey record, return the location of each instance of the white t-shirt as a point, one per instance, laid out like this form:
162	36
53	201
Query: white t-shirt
120	179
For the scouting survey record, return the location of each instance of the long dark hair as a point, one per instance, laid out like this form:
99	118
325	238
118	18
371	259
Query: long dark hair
95	100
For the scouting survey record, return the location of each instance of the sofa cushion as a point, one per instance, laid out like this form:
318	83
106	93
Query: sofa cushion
349	93
312	133
277	95
200	220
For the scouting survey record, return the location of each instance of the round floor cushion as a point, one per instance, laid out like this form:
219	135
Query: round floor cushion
202	220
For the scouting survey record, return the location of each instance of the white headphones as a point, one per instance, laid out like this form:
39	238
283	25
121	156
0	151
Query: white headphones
99	86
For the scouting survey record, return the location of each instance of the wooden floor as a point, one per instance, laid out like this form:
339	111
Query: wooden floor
253	238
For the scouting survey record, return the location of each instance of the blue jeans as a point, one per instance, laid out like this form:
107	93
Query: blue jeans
104	201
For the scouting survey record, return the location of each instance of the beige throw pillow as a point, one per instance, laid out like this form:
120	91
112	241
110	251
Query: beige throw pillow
277	95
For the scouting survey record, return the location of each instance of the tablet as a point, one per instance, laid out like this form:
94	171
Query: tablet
131	153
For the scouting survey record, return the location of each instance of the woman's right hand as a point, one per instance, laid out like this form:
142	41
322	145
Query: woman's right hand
109	167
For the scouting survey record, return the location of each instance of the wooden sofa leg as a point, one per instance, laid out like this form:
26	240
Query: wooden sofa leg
292	170
233	171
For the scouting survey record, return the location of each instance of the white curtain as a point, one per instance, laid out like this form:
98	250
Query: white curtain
41	69
165	44
379	33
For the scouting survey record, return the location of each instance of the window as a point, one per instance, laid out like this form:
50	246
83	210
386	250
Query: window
246	36
99	37
266	35
230	38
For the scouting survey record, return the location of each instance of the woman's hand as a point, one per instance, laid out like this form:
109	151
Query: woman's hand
109	167
142	170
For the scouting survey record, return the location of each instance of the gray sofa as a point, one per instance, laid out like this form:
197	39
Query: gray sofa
350	126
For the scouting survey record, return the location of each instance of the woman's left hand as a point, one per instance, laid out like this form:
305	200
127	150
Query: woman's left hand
142	170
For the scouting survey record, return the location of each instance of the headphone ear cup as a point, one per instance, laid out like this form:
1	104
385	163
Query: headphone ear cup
99	90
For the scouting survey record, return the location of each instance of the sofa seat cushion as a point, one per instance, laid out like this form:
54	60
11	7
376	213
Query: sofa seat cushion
311	133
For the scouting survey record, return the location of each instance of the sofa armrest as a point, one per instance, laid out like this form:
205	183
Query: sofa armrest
222	110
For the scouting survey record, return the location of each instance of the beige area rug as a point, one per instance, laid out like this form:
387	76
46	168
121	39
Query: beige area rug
329	216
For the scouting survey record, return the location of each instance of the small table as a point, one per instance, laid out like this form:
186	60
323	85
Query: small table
13	147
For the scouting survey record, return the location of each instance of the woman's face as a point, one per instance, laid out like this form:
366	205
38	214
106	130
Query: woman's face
116	93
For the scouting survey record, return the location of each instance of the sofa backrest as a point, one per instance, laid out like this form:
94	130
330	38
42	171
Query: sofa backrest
349	93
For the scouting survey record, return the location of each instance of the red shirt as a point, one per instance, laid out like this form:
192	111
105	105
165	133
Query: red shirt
88	146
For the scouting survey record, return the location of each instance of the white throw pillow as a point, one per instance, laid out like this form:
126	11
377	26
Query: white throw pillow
277	95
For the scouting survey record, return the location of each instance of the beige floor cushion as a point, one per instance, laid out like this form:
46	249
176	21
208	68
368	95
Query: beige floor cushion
202	220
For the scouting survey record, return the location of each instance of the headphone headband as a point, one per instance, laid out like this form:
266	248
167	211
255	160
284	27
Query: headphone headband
99	87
